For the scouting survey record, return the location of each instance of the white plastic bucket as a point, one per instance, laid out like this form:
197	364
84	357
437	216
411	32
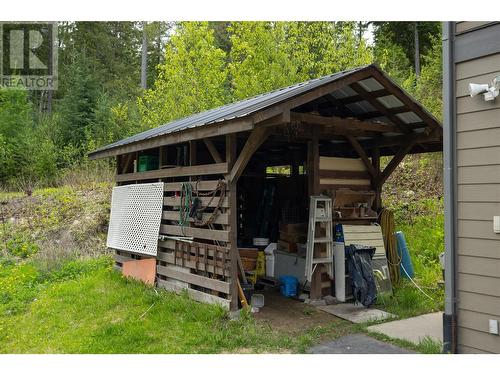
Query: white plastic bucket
270	265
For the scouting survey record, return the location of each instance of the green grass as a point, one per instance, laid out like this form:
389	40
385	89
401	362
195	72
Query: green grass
422	223
86	307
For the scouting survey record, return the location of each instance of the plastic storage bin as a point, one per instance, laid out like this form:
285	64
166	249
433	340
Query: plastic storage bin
147	163
288	286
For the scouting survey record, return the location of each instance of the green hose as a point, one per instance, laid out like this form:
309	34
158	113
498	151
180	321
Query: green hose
185	204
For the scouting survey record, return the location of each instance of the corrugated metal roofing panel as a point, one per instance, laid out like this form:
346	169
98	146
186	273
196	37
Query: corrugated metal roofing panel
233	110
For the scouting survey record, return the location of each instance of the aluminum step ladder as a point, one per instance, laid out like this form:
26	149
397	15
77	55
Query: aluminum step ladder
320	211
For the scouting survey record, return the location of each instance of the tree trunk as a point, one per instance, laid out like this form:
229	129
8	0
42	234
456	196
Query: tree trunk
144	58
417	51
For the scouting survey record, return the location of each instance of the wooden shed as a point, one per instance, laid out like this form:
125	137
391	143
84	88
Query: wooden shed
322	136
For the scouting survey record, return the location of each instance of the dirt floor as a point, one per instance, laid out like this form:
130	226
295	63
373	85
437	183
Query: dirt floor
290	315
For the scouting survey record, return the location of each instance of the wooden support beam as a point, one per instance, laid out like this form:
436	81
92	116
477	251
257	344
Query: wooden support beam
313	189
413	106
231	149
213	150
197	170
376	185
394	111
362	154
192	152
396	159
256	138
359	98
391	141
380	107
312	95
226	127
344	124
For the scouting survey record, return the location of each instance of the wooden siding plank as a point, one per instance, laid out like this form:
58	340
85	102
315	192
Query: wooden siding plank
473	68
343	174
122	259
479	284
195	170
478	302
476	157
478	120
478	193
194	294
477	229
479	340
341	164
174	215
477	211
478	139
478	247
191	278
343	181
176	201
201	185
479	174
208	234
479	266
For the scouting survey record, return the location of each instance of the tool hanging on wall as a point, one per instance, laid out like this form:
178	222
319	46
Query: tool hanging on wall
191	205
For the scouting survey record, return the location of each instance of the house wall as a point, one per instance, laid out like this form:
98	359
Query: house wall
477	143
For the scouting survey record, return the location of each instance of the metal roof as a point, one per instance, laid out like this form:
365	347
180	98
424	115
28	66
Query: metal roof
250	106
231	111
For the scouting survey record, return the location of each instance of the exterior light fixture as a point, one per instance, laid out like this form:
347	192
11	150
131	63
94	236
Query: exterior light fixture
490	92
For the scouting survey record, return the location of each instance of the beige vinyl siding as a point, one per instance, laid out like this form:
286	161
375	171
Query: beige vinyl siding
478	200
464	26
477	67
478	247
468	121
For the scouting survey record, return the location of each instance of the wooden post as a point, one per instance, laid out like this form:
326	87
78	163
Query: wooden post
313	189
233	221
192	153
376	185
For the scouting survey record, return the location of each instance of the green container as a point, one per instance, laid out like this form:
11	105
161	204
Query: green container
147	163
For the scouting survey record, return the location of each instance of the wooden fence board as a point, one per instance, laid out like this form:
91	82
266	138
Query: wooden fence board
208	234
176	201
195	294
169	258
174	215
191	278
202	185
195	170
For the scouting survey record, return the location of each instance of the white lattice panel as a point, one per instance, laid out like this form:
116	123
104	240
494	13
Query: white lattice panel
135	219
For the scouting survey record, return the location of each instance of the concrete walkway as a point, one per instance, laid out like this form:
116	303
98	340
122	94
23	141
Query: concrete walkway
357	344
413	329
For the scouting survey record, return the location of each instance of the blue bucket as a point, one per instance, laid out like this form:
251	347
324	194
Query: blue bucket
406	266
288	286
